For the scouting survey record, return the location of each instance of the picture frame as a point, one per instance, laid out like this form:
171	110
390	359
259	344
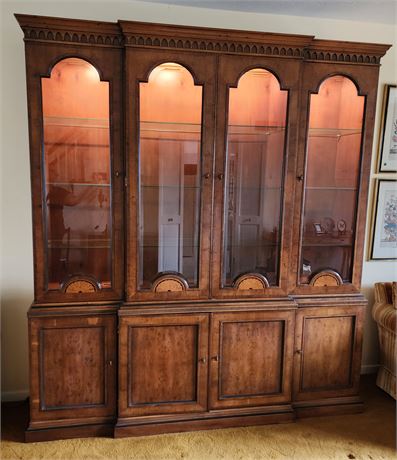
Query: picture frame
384	224
388	133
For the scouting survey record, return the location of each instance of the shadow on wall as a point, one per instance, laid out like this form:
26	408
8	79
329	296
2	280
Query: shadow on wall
14	343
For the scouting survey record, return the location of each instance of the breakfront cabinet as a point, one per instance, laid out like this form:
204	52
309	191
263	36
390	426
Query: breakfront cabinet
199	201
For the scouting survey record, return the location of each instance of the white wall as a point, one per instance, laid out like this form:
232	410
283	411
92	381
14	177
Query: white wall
16	256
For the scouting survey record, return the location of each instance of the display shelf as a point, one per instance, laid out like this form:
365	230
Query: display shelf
97	123
331	245
77	184
80	244
330	188
172	187
333	132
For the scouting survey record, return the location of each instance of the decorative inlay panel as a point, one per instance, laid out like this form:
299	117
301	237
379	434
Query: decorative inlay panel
326	278
251	281
170	283
77	285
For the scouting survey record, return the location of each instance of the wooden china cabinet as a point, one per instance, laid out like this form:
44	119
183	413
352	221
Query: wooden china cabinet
199	201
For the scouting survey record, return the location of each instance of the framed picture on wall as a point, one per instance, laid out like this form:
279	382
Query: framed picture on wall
388	135
384	231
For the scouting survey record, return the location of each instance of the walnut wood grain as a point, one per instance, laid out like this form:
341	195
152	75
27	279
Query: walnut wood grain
250	358
328	345
73	363
163	364
206	356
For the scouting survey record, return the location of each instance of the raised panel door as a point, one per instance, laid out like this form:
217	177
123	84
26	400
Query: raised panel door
73	362
163	364
250	358
327	352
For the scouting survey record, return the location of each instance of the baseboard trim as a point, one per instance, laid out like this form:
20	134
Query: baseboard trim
121	431
69	432
369	369
331	409
13	396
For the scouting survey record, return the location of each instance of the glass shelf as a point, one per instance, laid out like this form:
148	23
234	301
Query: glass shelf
336	244
100	123
80	244
172	187
333	132
195	128
334	187
78	184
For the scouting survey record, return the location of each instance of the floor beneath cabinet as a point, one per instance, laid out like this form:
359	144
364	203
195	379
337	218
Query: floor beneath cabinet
370	435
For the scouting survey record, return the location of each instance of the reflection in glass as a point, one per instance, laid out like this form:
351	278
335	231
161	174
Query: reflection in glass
332	175
77	173
170	164
254	177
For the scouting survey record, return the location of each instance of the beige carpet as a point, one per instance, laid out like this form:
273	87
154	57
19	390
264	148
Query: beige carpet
367	436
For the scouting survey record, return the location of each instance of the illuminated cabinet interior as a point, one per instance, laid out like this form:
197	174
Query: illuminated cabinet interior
199	207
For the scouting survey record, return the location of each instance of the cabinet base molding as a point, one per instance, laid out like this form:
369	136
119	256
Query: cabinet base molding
202	424
353	405
69	432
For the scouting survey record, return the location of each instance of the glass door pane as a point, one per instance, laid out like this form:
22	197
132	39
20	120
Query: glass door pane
169	175
77	185
254	177
332	177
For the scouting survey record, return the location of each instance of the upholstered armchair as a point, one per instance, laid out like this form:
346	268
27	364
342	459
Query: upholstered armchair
384	313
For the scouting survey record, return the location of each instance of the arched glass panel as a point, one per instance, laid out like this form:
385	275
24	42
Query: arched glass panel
169	174
332	176
254	177
77	173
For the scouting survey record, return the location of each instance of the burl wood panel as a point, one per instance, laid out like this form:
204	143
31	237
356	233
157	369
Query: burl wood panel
80	286
251	357
328	352
163	364
73	366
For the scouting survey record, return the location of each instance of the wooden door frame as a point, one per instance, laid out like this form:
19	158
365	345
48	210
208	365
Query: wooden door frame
139	64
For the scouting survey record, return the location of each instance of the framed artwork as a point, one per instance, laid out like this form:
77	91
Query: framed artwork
388	135
384	233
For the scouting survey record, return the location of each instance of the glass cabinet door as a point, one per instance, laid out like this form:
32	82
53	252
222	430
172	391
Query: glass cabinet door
254	177
253	182
77	180
171	174
331	183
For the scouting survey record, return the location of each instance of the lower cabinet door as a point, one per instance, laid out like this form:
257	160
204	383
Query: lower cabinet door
327	352
163	364
73	368
251	358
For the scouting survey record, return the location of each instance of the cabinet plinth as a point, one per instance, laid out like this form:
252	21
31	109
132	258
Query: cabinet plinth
199	201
